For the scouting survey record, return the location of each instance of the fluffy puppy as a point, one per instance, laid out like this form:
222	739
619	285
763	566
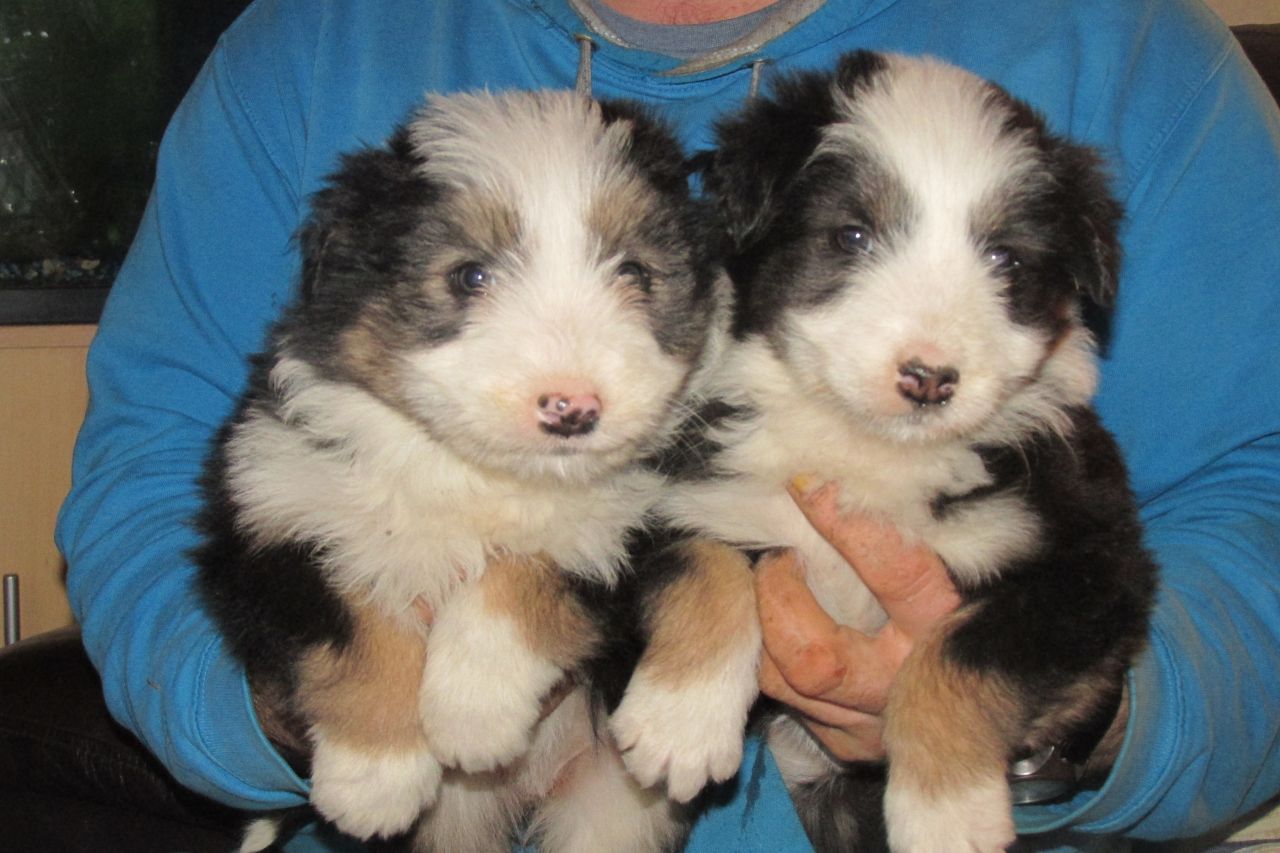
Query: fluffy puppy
914	253
503	311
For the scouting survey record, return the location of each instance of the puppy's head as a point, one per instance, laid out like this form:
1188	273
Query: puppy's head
916	245
523	275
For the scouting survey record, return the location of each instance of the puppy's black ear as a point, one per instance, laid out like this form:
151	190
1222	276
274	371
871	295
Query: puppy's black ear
763	147
314	241
654	148
1092	219
357	223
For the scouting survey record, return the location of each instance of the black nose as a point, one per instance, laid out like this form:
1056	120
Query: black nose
926	385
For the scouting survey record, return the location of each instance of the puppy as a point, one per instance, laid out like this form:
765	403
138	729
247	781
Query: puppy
914	253
503	313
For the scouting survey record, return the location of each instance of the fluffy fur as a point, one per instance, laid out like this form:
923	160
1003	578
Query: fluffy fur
503	313
914	253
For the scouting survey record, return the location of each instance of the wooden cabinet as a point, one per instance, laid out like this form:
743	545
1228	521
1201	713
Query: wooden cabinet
42	402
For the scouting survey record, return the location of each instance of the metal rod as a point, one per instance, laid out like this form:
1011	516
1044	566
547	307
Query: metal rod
12	628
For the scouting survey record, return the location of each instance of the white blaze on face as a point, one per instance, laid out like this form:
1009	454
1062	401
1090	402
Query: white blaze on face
926	293
557	321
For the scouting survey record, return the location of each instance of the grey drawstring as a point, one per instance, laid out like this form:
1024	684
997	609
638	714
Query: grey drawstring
585	46
753	89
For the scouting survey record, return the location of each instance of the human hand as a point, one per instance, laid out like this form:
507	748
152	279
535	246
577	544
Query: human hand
838	678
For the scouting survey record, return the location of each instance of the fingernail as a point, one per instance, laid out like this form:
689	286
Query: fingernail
802	484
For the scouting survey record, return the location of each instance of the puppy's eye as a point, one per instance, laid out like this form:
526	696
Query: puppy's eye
635	274
470	279
1002	258
854	239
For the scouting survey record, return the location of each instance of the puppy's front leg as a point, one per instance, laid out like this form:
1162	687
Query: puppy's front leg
684	711
372	772
949	731
496	651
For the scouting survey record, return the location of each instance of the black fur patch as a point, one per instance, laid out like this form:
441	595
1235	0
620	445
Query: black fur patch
271	603
842	813
1084	596
691	453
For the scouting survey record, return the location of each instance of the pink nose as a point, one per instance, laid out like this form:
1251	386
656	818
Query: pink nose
567	415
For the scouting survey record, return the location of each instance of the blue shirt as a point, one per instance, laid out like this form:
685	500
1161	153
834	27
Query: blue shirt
1189	380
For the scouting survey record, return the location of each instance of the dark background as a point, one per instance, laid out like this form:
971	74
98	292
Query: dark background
86	88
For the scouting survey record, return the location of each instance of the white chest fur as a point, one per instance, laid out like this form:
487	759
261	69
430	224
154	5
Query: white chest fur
400	515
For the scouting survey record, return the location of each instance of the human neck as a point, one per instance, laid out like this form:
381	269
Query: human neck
686	11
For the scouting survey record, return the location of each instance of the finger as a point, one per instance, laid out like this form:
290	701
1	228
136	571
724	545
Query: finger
814	656
908	579
775	685
798	633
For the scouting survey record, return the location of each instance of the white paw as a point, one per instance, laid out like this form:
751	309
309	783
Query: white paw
366	794
475	732
977	819
482	691
690	736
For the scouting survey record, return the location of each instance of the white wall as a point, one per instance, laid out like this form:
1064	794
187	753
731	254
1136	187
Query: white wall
1247	11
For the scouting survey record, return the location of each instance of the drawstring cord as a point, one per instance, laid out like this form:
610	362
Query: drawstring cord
587	46
582	85
753	89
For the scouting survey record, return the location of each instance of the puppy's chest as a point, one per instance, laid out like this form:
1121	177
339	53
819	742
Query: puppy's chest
982	528
413	520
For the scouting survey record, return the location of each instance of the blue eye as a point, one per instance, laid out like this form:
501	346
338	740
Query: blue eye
1002	258
854	239
470	278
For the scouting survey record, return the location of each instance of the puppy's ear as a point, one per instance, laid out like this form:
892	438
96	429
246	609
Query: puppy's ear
1092	219
762	148
313	240
654	148
358	222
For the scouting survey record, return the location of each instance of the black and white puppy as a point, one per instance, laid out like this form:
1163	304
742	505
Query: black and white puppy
913	253
503	313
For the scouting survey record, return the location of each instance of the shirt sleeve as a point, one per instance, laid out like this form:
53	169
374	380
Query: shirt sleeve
210	265
1189	389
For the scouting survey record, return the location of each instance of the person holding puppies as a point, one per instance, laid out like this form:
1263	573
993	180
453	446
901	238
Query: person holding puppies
1193	143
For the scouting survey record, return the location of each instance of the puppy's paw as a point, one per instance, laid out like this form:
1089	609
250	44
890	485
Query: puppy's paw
976	819
474	731
690	736
367	794
481	694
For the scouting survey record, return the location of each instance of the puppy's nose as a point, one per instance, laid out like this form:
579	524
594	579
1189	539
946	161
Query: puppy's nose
567	415
927	385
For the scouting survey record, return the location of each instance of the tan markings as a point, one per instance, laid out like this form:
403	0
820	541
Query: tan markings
367	694
487	222
534	594
367	356
946	727
616	209
701	616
